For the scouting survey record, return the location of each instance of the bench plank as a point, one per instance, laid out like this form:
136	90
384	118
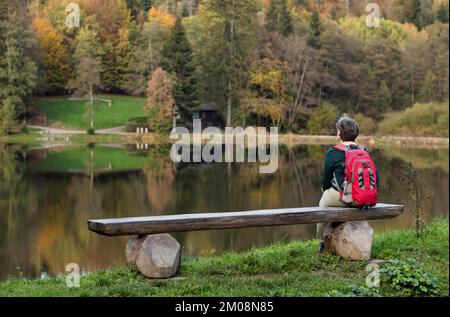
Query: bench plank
232	220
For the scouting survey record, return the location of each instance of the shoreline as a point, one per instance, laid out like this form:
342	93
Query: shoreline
284	139
282	269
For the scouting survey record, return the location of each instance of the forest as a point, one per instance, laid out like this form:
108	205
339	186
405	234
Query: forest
294	64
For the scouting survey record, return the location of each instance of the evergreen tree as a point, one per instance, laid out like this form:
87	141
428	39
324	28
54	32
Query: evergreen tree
316	30
384	97
180	63
416	13
278	18
229	35
17	70
146	57
442	14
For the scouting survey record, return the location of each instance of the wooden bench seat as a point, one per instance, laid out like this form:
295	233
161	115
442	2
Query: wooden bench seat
156	254
245	219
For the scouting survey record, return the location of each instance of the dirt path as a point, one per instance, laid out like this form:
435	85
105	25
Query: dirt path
48	130
115	130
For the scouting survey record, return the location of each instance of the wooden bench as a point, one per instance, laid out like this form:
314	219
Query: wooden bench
156	254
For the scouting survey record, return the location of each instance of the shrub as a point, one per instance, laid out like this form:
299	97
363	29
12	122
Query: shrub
430	119
134	123
367	126
90	131
24	128
158	122
323	120
407	278
355	291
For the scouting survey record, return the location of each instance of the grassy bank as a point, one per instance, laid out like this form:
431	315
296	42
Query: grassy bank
78	158
71	114
283	269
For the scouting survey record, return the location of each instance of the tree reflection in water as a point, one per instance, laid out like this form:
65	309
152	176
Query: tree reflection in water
46	197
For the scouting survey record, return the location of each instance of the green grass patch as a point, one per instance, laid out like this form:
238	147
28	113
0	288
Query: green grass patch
71	114
79	158
283	269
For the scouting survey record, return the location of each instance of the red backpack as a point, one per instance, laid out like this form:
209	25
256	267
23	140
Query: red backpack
360	177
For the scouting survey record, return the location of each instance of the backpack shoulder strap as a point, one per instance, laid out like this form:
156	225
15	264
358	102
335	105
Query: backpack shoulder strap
342	148
362	148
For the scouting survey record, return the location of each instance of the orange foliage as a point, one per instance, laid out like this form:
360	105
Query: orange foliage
55	53
163	17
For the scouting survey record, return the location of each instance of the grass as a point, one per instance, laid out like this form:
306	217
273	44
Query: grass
71	114
283	269
30	138
78	158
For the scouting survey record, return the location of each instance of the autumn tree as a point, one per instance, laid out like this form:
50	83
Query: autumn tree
55	57
269	96
436	61
160	101
146	57
162	16
413	51
17	69
88	68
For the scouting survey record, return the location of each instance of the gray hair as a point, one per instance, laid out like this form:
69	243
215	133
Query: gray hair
348	128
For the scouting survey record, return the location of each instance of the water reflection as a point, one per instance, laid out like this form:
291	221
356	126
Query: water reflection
47	195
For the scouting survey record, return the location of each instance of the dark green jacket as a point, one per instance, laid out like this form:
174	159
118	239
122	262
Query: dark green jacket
333	168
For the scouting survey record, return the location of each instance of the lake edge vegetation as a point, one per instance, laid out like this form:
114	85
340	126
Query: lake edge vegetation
415	266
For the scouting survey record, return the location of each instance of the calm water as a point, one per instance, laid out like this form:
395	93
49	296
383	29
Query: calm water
47	195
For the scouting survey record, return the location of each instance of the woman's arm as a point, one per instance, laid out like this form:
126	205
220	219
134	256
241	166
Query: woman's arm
327	172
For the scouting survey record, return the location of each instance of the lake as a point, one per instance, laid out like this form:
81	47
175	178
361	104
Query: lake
48	194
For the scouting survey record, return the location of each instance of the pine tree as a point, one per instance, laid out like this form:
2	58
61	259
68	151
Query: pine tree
316	30
180	63
442	14
279	18
416	13
17	70
229	31
384	97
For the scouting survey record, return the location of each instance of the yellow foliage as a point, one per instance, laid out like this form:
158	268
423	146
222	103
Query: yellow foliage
55	54
163	17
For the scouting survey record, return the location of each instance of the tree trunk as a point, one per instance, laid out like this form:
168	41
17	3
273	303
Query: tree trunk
150	49
91	97
229	103
230	84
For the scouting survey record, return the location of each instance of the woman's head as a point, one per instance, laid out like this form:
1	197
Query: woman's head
347	129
